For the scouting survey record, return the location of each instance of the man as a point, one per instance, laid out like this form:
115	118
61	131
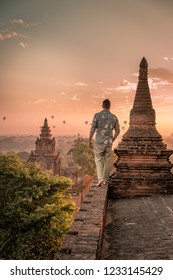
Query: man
106	126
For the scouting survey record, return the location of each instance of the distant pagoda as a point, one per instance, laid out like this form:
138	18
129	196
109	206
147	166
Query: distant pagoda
142	166
45	153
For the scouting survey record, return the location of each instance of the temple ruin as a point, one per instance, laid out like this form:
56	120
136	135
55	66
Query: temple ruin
45	154
142	165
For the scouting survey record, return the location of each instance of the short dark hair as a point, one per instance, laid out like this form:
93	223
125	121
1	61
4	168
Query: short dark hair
106	103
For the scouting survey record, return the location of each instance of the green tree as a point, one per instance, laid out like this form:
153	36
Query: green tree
83	157
35	210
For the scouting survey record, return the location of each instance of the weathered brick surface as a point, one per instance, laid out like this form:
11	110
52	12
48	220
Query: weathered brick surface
139	228
84	238
142	165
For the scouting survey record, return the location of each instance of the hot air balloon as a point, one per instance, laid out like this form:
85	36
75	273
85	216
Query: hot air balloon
86	122
54	126
64	122
52	117
4	118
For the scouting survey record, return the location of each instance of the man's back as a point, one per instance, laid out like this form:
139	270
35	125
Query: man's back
104	123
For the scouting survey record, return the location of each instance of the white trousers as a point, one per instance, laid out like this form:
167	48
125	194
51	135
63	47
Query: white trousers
102	159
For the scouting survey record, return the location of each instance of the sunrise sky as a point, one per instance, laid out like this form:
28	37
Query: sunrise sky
61	58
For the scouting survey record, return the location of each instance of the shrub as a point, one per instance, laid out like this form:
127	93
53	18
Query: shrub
35	210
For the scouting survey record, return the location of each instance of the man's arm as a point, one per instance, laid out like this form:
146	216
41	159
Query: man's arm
116	130
115	136
90	138
92	130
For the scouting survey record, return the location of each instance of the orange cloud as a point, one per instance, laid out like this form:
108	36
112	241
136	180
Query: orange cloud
17	21
167	58
75	98
23	45
11	35
126	86
81	84
162	74
22	22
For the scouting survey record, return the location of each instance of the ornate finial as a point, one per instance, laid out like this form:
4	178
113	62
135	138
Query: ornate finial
45	122
143	63
143	71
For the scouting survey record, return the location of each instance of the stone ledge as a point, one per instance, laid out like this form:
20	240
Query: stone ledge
84	238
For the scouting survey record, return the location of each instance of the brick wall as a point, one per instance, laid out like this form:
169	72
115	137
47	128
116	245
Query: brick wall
84	238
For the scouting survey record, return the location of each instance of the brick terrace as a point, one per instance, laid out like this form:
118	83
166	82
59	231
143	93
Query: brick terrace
139	228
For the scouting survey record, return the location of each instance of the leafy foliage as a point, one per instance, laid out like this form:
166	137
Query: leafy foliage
83	157
35	211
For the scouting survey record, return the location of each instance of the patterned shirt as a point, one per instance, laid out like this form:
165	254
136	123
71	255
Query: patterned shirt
103	124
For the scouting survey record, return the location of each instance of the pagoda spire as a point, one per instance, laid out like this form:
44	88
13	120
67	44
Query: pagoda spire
143	97
45	130
142	114
45	123
142	165
143	72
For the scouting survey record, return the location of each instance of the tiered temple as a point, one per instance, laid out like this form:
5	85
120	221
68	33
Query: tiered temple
142	166
45	153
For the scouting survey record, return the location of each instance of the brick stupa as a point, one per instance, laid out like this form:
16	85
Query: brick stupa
142	166
45	154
